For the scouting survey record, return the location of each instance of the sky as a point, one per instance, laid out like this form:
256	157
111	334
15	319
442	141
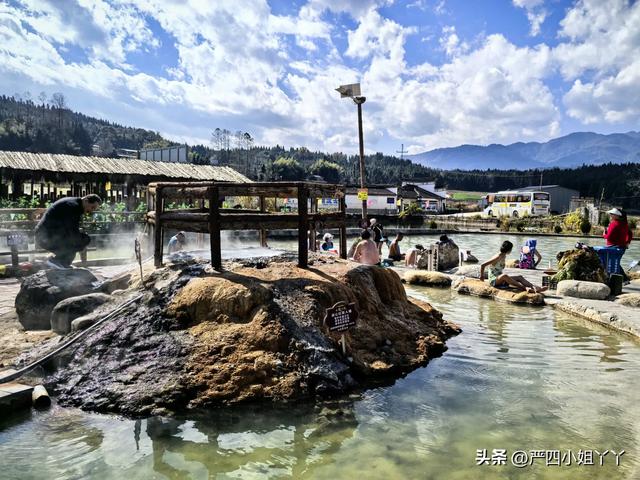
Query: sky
435	73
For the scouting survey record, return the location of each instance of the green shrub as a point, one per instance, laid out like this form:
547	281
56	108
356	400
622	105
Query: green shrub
557	229
411	210
633	223
505	224
585	226
433	225
573	221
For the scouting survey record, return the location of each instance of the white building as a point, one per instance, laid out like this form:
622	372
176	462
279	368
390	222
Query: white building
380	201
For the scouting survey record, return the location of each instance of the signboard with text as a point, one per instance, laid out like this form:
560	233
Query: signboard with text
363	194
341	317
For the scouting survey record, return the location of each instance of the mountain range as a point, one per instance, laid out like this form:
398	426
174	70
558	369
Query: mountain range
573	150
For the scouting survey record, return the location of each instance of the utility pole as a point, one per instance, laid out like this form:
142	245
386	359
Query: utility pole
353	91
540	180
359	101
402	151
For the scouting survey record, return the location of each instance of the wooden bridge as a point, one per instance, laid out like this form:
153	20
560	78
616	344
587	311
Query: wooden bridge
211	218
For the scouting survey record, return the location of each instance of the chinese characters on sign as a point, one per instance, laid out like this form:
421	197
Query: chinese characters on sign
549	458
341	317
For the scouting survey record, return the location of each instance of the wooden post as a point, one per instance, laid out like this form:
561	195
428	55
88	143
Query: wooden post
343	228
303	226
263	232
214	228
15	260
158	232
312	225
83	257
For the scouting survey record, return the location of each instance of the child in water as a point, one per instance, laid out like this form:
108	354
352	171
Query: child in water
499	279
529	255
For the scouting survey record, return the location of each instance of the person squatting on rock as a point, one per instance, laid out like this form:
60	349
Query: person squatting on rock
177	243
58	231
498	279
366	251
394	248
529	255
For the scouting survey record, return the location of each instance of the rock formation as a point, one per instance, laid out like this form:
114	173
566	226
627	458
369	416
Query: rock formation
431	279
201	338
582	289
471	286
40	292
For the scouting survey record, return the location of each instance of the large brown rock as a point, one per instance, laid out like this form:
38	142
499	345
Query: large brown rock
41	292
471	286
201	338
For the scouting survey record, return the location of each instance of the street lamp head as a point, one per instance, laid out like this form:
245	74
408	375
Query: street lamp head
359	100
351	90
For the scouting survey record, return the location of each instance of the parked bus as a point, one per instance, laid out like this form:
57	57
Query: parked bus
516	204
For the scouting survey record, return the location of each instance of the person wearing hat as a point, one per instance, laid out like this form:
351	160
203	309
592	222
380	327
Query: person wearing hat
327	243
618	233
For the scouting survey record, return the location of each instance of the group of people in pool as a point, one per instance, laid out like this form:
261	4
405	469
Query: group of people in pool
368	250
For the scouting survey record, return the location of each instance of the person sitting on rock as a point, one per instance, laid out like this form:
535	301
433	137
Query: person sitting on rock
411	257
394	248
177	243
529	255
498	279
366	251
58	231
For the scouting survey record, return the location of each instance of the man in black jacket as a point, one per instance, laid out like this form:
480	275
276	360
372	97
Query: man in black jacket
58	231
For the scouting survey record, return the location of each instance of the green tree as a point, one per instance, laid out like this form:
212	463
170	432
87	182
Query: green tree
331	172
287	169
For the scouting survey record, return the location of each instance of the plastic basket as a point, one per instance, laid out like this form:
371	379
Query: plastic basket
610	258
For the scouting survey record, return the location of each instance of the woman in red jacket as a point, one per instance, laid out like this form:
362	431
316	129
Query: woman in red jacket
618	233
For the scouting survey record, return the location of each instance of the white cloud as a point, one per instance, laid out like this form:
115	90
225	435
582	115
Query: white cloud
238	64
535	14
602	36
450	42
613	99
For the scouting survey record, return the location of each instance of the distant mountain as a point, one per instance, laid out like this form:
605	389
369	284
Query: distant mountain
573	150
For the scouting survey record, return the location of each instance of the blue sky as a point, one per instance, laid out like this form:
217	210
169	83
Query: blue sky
436	73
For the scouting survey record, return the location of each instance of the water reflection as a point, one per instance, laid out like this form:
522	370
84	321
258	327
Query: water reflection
516	378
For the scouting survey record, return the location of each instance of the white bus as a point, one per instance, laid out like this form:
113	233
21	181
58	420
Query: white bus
517	204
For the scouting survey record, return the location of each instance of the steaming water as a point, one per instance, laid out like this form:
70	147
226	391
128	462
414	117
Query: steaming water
517	378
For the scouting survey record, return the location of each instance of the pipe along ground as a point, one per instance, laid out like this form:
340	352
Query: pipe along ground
31	366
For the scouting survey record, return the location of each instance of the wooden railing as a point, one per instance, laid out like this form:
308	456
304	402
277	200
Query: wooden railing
211	218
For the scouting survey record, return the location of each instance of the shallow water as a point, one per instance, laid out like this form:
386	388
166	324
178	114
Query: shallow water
517	378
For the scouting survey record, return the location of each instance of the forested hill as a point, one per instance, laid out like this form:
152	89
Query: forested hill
47	125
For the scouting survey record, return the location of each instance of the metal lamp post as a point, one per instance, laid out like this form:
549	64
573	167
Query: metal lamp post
353	91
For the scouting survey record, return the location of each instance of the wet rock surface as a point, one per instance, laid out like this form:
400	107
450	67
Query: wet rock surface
472	286
254	333
71	308
41	292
